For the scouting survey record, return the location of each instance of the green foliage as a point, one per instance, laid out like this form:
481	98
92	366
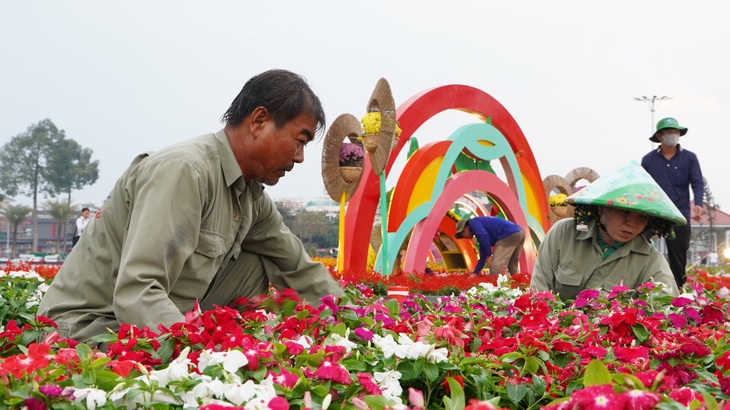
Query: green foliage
16	215
61	211
70	167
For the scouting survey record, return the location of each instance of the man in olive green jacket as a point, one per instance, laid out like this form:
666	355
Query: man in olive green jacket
192	222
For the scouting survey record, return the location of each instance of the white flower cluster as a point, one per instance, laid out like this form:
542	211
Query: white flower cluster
491	292
406	348
166	386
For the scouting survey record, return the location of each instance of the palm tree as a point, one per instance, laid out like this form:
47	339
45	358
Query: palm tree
16	215
61	211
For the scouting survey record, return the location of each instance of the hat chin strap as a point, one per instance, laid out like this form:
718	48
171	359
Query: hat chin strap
602	227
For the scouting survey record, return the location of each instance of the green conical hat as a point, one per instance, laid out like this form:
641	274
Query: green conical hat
631	188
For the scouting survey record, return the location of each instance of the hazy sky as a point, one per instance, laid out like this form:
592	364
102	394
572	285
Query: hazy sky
126	77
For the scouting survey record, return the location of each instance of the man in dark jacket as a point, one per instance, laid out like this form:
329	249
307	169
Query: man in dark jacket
507	238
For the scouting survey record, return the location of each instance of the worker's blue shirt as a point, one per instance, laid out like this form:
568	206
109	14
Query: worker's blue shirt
675	175
489	230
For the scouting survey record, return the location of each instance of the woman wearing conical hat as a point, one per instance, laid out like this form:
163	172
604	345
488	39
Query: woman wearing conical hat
602	246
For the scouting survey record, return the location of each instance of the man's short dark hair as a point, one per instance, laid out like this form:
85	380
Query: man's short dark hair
85	209
283	93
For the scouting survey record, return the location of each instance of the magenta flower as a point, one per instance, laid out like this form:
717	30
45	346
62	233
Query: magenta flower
364	334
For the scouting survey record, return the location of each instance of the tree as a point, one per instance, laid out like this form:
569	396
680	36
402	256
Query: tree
16	215
43	160
712	206
61	211
70	168
22	163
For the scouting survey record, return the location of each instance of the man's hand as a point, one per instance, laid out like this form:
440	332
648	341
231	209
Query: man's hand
697	212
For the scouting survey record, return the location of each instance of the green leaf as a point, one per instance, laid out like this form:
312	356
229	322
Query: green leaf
83	351
456	400
516	392
376	402
432	372
532	365
628	380
641	332
167	348
596	374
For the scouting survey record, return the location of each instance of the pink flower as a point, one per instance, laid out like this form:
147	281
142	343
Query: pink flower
416	398
641	400
368	383
333	371
278	403
285	378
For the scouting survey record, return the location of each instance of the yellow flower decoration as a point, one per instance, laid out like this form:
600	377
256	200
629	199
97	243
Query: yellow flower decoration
557	200
371	124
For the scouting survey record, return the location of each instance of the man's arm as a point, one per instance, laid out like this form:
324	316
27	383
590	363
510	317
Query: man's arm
286	262
698	184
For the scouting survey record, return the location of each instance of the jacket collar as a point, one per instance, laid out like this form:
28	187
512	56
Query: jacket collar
231	171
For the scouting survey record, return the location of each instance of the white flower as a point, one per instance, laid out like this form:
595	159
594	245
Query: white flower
386	344
238	393
94	397
326	402
337	340
305	341
177	370
438	355
389	384
232	360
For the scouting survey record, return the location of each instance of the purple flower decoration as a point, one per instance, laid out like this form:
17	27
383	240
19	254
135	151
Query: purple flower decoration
351	154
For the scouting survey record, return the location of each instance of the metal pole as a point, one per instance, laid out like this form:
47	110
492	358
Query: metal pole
652	102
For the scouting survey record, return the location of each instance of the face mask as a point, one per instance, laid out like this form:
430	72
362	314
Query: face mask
670	140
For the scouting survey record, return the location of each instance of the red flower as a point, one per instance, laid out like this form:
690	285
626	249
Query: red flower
685	396
458	378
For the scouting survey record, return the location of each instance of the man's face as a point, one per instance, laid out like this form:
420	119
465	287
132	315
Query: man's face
278	149
85	214
466	233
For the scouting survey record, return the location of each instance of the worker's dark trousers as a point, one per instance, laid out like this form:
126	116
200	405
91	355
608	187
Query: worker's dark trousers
677	253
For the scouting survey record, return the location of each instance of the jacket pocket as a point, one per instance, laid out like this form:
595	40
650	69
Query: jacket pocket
567	282
210	244
568	276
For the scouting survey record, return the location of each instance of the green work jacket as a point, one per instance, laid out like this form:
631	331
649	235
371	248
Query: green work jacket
180	225
569	261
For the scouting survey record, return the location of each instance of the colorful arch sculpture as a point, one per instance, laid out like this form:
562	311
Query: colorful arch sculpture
522	197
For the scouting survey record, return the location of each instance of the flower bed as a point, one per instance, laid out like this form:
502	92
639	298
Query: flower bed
487	347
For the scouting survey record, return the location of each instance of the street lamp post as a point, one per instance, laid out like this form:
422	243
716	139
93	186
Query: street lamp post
652	102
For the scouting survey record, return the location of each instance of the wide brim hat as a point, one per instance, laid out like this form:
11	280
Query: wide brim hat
665	123
460	226
629	188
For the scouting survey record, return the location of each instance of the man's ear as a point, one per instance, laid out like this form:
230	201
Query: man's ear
258	118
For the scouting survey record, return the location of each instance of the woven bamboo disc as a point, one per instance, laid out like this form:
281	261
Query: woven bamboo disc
566	186
382	100
580	173
344	126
